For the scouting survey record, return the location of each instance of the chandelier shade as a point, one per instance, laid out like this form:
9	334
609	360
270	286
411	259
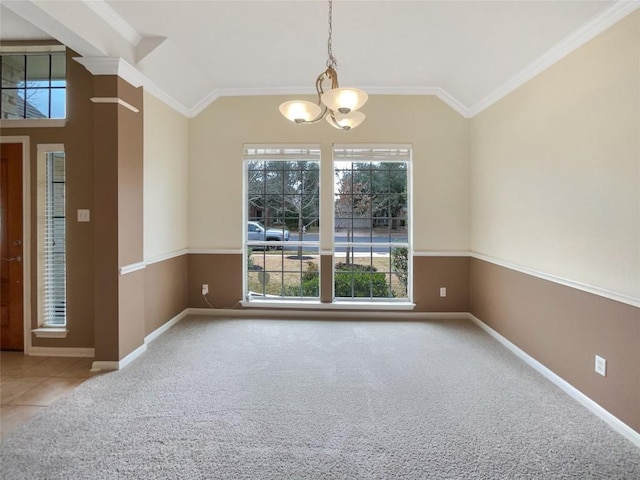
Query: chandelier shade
299	111
346	122
344	100
338	105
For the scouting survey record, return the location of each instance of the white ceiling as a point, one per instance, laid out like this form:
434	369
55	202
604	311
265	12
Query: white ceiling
469	53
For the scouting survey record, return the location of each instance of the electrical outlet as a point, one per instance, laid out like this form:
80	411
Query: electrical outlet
205	288
601	365
443	291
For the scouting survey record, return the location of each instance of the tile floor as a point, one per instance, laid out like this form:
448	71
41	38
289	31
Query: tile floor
30	384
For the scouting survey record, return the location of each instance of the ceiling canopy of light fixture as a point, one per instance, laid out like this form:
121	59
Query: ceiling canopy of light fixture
338	105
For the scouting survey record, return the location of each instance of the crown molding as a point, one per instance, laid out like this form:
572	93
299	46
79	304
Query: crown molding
113	66
118	66
245	92
441	93
167	99
588	31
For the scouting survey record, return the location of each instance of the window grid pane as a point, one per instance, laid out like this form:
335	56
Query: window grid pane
282	239
371	241
33	85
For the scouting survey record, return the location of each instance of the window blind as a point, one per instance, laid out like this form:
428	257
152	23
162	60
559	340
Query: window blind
282	152
55	264
372	153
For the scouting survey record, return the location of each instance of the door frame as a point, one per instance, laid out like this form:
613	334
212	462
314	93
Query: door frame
26	235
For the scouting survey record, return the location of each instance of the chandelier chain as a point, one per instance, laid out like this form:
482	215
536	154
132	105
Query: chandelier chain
331	61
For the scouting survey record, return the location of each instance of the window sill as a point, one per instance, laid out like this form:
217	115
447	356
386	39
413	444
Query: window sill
337	305
32	122
50	332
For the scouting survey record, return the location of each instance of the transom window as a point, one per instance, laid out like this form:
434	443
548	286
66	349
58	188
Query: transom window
34	84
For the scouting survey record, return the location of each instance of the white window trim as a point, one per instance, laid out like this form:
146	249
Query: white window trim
304	154
374	303
50	332
34	122
44	329
335	305
385	304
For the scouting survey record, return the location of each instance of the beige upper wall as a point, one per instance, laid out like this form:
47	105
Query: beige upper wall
438	134
555	167
166	155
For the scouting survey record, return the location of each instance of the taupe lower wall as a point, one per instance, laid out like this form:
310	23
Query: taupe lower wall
223	273
131	313
564	328
432	273
165	291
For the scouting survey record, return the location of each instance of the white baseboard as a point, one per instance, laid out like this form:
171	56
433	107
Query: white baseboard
119	365
62	352
614	422
325	314
101	365
166	326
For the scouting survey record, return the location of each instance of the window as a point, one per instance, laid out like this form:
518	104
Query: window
372	223
282	228
52	271
33	84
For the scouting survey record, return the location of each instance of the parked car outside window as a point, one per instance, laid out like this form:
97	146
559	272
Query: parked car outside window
257	232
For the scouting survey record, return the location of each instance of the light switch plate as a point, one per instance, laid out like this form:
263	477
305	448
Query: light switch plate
84	215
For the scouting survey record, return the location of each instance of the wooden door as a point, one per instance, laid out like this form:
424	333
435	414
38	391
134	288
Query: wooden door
11	290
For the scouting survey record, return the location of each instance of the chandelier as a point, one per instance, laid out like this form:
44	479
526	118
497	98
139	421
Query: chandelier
338	105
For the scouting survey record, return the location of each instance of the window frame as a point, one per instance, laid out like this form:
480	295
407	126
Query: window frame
326	245
37	50
276	153
46	327
387	153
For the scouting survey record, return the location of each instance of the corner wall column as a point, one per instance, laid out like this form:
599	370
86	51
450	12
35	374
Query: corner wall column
118	212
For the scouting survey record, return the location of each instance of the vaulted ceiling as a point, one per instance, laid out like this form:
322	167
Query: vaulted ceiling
469	53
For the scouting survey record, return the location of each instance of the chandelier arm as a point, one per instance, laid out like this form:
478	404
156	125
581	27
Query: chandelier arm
332	74
333	122
319	117
319	89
